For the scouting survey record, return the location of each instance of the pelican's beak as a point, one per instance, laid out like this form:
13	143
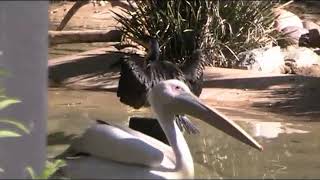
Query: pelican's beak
187	103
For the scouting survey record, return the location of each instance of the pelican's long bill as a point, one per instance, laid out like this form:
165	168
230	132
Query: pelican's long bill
186	103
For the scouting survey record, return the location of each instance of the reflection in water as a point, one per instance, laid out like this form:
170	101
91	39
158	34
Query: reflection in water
291	148
273	129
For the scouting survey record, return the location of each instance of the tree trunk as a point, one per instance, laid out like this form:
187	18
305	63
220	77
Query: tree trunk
87	36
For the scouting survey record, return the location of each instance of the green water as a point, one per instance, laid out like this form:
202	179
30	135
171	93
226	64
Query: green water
291	145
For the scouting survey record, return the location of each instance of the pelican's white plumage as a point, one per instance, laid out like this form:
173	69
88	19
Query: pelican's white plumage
119	152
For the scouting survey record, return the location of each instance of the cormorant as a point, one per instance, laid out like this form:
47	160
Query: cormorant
137	78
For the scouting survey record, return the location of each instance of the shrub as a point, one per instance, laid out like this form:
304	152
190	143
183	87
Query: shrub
222	29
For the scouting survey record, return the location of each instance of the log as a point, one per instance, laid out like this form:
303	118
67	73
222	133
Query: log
87	36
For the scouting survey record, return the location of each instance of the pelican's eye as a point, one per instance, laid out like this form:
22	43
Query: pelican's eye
178	88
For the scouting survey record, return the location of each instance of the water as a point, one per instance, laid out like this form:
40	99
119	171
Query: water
291	144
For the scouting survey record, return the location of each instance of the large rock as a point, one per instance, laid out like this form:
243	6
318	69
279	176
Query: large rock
262	59
301	57
295	34
310	25
286	18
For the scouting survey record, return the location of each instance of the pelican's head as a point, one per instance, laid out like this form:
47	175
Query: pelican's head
173	97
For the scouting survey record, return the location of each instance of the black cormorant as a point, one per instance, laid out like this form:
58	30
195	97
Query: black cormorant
137	78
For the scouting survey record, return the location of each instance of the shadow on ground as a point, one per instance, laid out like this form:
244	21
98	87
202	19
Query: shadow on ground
301	99
291	95
59	138
88	71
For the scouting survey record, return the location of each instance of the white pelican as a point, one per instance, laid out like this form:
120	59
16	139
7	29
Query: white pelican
118	152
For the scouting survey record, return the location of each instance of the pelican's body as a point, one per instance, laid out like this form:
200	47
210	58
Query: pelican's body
124	153
117	152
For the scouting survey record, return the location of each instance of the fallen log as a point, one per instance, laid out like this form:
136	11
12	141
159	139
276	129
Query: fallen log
87	36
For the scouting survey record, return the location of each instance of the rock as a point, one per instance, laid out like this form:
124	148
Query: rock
310	25
286	18
262	59
294	34
314	33
314	71
301	57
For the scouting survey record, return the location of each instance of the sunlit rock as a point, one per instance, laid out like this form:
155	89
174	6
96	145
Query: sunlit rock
295	34
310	25
301	57
286	18
262	59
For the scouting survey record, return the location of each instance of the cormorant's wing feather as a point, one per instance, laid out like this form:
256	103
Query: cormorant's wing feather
136	80
133	84
163	70
193	71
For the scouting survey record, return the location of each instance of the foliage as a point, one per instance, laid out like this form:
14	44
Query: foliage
177	24
10	133
237	26
5	102
221	28
50	169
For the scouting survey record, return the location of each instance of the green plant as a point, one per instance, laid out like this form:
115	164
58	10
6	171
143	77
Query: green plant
237	26
177	25
49	170
5	102
222	29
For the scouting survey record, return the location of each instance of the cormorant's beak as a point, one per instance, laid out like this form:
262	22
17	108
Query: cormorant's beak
187	103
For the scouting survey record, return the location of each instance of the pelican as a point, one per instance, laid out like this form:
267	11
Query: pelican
138	77
119	152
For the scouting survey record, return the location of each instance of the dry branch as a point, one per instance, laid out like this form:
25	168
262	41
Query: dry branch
76	6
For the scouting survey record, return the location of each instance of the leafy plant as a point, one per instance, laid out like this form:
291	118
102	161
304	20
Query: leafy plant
4	103
222	29
50	169
237	26
177	25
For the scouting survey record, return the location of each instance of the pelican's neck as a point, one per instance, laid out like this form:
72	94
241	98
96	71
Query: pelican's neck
184	161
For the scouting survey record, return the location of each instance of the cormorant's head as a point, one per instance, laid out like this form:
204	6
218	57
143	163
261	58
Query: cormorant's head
153	44
153	49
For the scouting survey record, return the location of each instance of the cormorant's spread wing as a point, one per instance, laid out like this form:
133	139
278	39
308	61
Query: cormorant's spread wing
193	71
136	79
133	84
163	70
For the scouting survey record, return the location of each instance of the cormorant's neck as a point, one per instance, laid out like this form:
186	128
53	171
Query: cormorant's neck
153	51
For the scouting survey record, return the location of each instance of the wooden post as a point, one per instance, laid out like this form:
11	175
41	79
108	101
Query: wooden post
24	49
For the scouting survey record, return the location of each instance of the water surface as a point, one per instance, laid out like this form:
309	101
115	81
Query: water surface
291	145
